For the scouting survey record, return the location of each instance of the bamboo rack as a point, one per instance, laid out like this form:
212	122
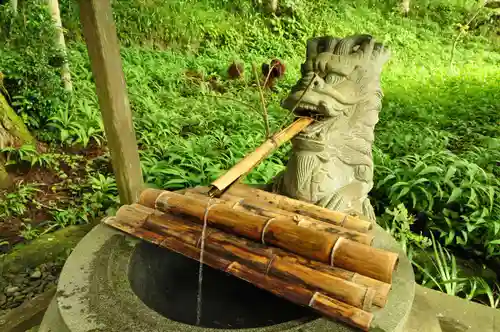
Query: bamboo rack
305	255
295	293
280	231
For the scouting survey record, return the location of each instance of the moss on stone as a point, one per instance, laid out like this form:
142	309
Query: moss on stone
12	130
11	124
44	249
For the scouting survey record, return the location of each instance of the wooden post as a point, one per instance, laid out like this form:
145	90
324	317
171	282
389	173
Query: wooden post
102	43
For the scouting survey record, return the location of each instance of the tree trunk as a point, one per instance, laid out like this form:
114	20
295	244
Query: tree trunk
56	17
273	6
13	6
405	7
12	132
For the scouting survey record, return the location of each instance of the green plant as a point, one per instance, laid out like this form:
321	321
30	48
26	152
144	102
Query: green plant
29	62
397	222
15	203
77	127
27	153
28	232
481	287
459	197
444	273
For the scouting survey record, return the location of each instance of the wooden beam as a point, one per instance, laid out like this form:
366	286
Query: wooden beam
100	35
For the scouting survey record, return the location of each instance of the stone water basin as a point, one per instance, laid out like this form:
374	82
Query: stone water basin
113	282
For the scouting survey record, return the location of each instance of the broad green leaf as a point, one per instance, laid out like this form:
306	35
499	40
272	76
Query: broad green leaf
396	186
387	178
430	169
403	192
450	237
418	181
430	198
414	199
497	227
473	197
455	194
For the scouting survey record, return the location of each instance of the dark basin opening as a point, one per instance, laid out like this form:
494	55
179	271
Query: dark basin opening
167	282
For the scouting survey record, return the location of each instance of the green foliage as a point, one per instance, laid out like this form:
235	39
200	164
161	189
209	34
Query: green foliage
80	194
444	273
459	197
397	222
27	153
15	203
30	62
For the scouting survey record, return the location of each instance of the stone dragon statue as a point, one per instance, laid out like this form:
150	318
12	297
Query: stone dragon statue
331	162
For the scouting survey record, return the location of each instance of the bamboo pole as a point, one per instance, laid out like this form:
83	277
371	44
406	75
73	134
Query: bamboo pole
149	196
172	243
360	291
252	159
327	306
380	288
252	195
281	231
303	208
284	233
268	210
258	251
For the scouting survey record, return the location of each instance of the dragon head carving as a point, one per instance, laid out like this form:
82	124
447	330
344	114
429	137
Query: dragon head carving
331	163
337	74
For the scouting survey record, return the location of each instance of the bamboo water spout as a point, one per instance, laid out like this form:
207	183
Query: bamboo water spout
251	160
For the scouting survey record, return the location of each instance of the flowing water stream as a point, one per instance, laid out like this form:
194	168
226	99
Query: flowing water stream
200	271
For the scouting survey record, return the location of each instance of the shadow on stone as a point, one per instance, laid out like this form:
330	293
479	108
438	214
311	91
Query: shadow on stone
167	282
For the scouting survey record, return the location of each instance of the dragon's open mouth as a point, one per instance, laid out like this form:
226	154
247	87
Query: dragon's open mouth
310	110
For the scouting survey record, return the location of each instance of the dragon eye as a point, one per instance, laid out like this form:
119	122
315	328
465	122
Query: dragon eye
333	79
329	78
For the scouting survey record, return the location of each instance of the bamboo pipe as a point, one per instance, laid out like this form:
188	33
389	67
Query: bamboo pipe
327	306
268	210
252	195
303	208
381	289
170	242
339	288
252	159
295	293
283	232
257	256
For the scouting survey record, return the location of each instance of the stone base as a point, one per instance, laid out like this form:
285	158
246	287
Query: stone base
107	285
434	311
